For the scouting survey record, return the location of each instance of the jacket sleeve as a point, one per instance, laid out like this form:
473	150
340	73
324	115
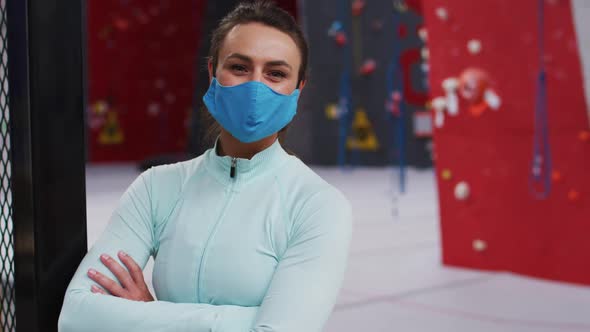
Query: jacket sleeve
305	286
132	230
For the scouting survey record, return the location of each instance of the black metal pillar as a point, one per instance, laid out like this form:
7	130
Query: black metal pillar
47	103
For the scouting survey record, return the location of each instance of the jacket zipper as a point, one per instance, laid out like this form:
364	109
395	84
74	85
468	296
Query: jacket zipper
232	174
232	169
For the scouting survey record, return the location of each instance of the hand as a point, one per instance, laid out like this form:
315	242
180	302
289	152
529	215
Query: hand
132	285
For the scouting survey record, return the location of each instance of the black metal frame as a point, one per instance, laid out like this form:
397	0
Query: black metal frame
47	106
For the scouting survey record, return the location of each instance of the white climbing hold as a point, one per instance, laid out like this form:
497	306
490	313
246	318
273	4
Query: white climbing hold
474	46
462	191
425	53
442	13
479	245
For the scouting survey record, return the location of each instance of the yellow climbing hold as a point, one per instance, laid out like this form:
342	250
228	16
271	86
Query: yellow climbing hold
446	174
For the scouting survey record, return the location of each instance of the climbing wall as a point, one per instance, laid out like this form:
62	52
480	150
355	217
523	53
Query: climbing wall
366	52
141	66
502	206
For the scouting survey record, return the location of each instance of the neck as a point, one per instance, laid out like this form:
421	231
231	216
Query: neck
230	146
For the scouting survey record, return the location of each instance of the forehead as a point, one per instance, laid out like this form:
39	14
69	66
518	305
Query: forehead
261	43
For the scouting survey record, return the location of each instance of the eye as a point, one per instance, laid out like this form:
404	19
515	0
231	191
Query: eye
238	68
277	74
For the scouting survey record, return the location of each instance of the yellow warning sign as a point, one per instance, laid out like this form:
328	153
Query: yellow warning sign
111	133
363	136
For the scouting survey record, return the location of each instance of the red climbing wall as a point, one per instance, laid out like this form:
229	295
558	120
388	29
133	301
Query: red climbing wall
501	226
141	65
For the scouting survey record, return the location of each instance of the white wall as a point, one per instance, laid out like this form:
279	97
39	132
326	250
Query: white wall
581	13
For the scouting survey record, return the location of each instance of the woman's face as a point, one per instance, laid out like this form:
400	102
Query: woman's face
256	52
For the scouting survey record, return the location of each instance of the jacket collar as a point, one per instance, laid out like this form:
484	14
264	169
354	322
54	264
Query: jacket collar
262	163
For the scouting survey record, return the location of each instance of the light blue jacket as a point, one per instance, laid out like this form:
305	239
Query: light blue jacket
264	250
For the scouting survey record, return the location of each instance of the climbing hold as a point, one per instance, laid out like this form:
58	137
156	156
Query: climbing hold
335	28
100	107
479	245
393	103
153	109
450	86
425	53
446	174
439	104
357	7
368	67
472	84
442	13
474	87
492	99
474	46
400	6
573	195
341	39
556	176
462	191
332	111
423	34
95	122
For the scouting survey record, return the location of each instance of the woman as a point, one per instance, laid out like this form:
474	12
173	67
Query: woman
245	237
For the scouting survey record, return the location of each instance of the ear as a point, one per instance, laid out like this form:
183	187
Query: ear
302	85
210	70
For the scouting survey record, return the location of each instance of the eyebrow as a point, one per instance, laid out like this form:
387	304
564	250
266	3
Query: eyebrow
269	63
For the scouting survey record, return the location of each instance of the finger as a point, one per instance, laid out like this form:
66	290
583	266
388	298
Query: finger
134	269
96	289
106	283
120	272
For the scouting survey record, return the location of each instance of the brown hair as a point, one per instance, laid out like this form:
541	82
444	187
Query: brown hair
260	11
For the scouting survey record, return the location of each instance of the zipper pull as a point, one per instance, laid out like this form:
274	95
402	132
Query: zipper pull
232	170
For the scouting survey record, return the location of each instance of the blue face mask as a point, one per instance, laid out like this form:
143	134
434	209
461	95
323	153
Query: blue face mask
250	111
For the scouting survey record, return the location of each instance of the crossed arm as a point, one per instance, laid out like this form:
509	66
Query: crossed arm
300	296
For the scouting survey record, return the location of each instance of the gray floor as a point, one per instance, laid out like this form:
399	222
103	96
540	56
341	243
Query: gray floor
395	281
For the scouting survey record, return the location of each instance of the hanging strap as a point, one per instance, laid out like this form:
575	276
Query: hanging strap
345	115
541	164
